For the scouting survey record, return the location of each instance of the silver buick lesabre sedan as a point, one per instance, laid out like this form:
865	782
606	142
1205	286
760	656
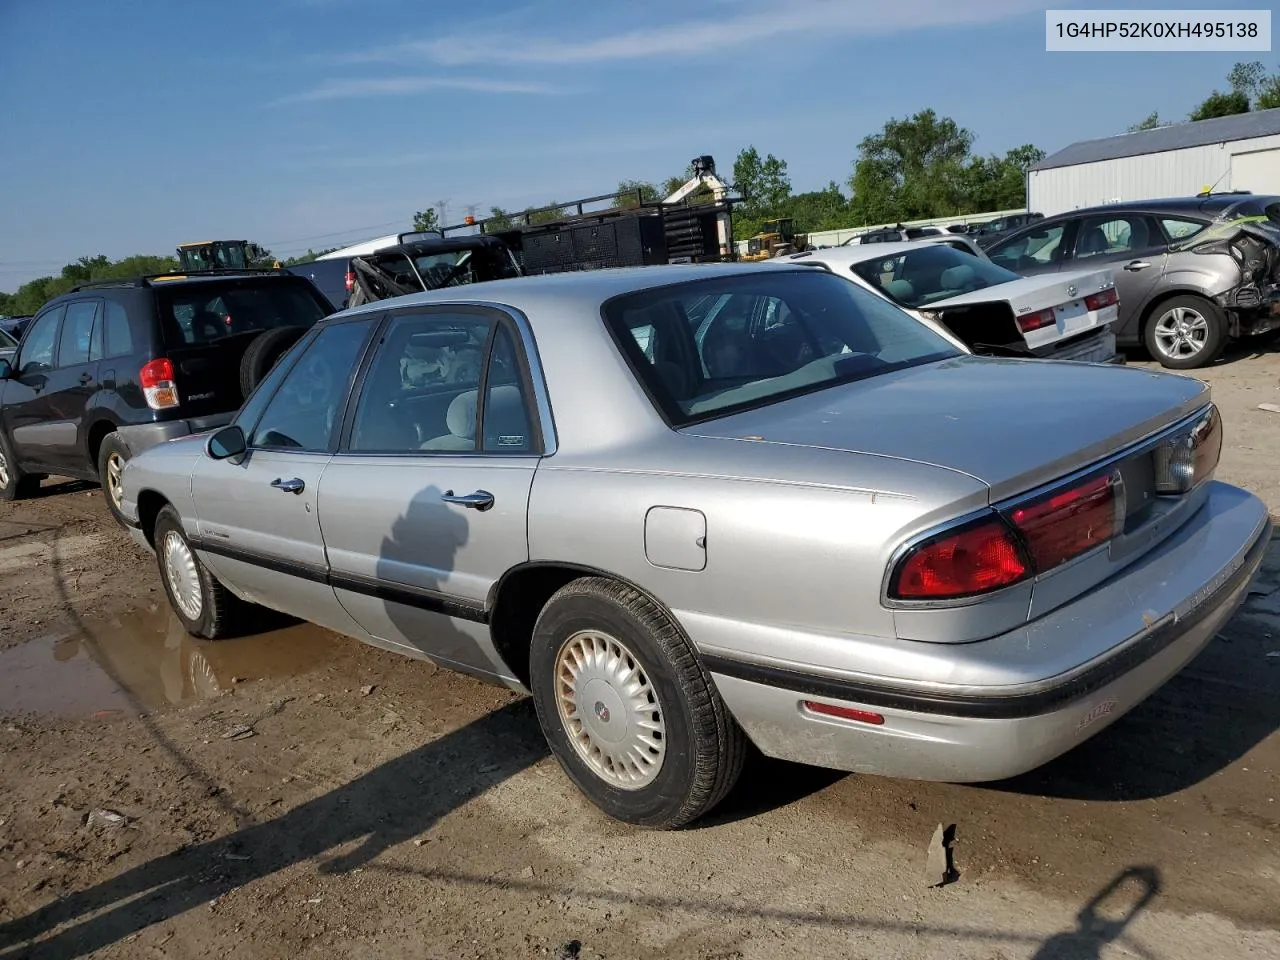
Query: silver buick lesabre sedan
689	508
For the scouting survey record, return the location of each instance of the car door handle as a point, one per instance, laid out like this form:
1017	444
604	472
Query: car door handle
1137	265
86	378
480	500
288	486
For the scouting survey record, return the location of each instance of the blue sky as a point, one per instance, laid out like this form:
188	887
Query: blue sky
132	126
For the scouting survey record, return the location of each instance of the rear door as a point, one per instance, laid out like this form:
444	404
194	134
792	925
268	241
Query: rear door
425	505
27	405
1134	247
258	519
71	386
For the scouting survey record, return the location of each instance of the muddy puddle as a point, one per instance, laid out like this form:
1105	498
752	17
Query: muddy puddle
143	660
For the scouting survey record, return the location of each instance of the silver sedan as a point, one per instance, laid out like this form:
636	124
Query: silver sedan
692	508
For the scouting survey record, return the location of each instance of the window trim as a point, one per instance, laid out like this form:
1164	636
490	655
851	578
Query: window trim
299	350
98	311
1170	239
19	359
535	397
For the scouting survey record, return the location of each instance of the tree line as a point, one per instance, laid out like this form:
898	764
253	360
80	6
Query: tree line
1249	87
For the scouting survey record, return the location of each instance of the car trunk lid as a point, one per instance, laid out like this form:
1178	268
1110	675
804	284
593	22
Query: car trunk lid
1011	424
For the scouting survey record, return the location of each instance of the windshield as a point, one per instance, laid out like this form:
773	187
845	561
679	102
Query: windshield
712	347
208	311
931	273
451	268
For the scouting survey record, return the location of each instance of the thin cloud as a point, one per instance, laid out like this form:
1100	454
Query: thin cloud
405	86
849	18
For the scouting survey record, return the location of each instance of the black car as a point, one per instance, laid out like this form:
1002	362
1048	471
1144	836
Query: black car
117	366
334	277
1192	273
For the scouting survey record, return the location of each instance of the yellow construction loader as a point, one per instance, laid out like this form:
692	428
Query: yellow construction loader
776	237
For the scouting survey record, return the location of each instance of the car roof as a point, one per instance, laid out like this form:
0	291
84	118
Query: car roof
579	286
1210	206
859	252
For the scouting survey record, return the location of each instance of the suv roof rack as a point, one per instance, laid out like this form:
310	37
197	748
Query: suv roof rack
179	274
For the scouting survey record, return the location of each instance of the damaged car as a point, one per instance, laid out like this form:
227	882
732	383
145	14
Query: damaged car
1192	274
428	263
948	283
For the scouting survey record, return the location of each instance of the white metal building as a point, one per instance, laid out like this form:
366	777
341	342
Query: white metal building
1241	152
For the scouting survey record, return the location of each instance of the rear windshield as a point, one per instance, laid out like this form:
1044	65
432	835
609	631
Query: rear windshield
212	310
931	273
716	346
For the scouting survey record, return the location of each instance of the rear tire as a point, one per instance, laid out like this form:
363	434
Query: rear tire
263	354
113	454
15	484
204	606
1185	332
628	710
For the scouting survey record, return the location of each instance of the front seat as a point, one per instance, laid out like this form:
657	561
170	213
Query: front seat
506	426
1093	242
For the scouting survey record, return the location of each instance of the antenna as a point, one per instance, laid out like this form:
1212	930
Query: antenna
1208	191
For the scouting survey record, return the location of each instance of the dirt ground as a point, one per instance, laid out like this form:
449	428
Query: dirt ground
296	794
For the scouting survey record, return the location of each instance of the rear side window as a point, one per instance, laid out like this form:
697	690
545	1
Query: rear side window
206	311
118	339
766	338
77	333
1178	228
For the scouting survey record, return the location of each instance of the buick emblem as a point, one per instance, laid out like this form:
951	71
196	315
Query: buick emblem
602	712
1072	289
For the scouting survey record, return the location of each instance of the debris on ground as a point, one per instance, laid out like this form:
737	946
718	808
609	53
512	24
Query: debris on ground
939	867
366	689
571	950
1269	407
106	818
527	873
240	731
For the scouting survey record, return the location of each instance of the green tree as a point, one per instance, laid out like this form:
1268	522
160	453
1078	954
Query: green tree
307	257
913	169
763	183
1219	104
1150	123
1247	78
425	220
629	189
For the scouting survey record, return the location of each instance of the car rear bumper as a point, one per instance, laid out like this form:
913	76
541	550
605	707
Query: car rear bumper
974	734
1100	348
143	436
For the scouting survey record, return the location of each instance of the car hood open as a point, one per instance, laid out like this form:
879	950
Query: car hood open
1012	424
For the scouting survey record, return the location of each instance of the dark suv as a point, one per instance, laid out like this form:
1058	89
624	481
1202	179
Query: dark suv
117	366
1192	273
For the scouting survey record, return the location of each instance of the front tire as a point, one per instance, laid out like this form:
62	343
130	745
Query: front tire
14	483
628	710
1186	332
204	606
113	454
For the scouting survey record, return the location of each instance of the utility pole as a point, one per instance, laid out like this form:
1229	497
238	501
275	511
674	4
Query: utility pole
441	207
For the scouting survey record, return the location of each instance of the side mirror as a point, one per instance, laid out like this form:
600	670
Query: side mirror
6	370
226	443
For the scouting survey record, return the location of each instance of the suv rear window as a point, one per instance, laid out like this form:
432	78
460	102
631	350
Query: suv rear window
211	310
712	347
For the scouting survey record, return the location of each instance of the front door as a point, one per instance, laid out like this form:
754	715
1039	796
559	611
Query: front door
71	386
257	519
425	505
27	400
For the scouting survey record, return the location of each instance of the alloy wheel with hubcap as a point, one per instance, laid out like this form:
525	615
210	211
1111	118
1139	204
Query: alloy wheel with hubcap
182	575
1181	333
609	709
1185	332
4	470
205	607
115	470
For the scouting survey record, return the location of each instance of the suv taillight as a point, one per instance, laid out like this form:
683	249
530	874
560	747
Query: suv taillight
158	386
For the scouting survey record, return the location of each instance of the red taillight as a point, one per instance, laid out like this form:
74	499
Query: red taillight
1104	298
1037	321
1067	523
351	281
158	386
976	559
846	713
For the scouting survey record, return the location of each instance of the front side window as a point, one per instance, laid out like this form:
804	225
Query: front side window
302	414
77	333
766	338
38	346
422	392
930	273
